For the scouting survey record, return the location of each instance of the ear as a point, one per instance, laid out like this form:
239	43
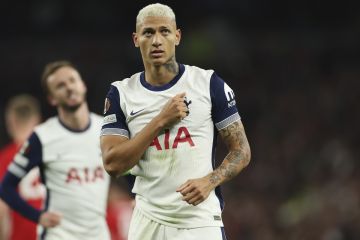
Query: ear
135	39
178	37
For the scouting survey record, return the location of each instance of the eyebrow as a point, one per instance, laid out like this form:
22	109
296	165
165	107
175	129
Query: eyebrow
164	27
148	29
160	27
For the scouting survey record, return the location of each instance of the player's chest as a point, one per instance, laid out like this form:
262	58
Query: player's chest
72	149
74	166
141	110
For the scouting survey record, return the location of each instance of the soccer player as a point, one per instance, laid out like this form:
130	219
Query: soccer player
67	150
161	125
22	114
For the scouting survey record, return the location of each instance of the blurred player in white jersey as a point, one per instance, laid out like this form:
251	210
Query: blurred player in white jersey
161	126
66	148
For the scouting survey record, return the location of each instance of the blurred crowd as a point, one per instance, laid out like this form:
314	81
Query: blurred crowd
299	103
294	70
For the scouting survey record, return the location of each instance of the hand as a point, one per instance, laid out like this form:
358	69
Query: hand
195	191
174	110
49	219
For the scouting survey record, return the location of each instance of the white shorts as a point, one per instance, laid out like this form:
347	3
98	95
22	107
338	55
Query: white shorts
143	228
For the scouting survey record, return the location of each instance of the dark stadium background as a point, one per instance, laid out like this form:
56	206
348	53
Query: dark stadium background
295	69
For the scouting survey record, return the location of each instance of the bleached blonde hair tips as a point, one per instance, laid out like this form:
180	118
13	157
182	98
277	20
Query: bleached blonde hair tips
155	10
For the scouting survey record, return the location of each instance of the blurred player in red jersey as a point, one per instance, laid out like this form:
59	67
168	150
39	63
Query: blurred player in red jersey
119	211
22	114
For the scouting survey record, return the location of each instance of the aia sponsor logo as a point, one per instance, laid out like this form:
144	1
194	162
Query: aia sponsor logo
182	137
84	175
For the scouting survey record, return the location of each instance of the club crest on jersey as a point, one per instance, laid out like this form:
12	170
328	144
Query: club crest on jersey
187	103
106	105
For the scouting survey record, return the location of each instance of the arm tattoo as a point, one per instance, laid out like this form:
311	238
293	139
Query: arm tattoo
239	153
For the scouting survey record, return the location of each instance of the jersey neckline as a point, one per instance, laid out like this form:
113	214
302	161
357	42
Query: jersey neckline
75	130
166	86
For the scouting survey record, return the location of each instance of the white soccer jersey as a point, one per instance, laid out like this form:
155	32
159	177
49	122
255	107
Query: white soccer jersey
184	151
71	168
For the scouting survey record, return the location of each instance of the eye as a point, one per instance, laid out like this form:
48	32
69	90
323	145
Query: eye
165	31
147	33
60	85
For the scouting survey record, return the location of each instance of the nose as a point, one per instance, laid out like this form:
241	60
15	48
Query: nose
157	41
69	85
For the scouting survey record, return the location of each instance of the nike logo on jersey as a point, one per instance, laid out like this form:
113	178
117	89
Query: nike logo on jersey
134	113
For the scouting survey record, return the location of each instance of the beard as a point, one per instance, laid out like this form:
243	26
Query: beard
71	108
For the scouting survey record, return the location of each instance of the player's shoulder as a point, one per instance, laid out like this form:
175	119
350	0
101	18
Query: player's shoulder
129	82
49	128
96	118
198	71
50	123
202	76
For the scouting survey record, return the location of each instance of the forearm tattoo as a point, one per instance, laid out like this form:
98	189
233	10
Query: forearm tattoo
235	139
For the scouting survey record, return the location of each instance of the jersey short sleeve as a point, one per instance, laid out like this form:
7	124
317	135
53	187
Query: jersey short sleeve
224	111
114	119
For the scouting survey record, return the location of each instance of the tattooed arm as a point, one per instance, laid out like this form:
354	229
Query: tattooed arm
238	157
195	191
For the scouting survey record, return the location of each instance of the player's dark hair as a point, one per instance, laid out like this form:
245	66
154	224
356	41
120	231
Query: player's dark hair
49	69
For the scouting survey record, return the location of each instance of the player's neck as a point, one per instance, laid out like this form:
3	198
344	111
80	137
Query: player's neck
162	74
77	120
